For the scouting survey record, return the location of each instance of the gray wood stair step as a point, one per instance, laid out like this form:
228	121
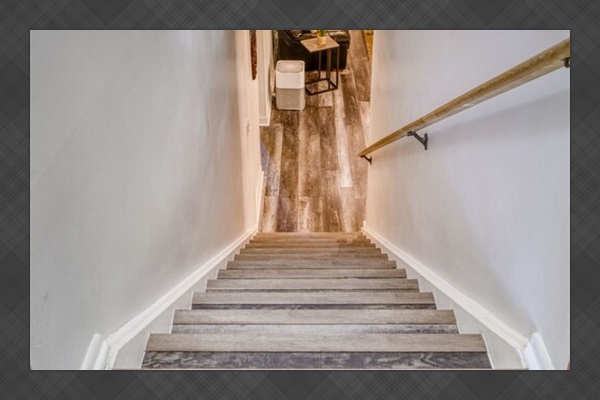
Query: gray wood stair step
322	284
364	263
292	240
314	244
311	239
311	250
314	329
306	273
227	342
316	298
340	235
315	257
320	360
415	317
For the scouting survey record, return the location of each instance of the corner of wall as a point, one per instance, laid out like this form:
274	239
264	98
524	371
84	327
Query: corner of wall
103	353
535	354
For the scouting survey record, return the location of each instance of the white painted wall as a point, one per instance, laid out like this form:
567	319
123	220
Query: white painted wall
264	42
144	165
486	208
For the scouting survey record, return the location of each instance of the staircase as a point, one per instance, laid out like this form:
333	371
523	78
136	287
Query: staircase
310	301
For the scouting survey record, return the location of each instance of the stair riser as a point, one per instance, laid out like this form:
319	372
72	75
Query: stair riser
313	329
388	360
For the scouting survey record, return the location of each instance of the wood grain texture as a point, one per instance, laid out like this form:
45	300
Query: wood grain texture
287	210
318	156
306	343
310	235
272	142
312	264
316	298
294	306
311	250
327	133
309	285
306	273
310	257
313	329
312	244
323	360
360	65
425	317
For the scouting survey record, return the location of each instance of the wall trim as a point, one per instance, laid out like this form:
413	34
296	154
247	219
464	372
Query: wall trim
265	64
482	314
97	353
535	354
265	120
106	358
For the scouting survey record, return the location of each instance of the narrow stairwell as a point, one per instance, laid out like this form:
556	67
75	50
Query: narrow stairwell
312	301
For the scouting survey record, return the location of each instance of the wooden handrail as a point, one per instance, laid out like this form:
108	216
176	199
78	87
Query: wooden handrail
541	64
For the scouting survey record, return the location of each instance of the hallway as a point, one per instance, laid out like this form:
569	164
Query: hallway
314	180
126	175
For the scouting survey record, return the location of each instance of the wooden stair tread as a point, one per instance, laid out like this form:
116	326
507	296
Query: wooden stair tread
313	264
226	342
309	243
314	317
313	284
312	250
307	234
332	297
310	256
305	273
315	329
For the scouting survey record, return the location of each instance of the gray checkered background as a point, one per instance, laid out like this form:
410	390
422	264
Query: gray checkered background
17	17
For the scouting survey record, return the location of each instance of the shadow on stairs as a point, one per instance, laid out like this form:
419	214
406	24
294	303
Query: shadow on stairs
314	301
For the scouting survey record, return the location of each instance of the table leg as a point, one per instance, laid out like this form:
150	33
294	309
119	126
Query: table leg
337	68
319	69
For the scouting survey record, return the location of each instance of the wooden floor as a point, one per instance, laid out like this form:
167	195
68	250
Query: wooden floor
314	180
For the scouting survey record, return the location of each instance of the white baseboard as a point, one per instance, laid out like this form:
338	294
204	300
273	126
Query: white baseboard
513	338
535	355
264	120
102	352
97	353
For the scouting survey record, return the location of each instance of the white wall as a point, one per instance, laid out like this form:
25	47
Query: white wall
486	208
144	165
